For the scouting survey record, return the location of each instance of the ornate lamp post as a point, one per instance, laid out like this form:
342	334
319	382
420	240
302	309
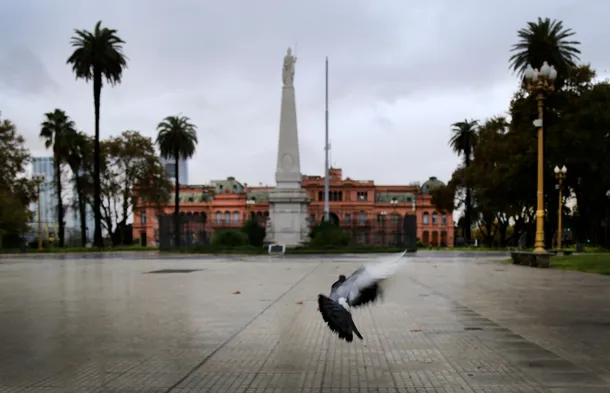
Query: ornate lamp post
39	179
560	175
540	82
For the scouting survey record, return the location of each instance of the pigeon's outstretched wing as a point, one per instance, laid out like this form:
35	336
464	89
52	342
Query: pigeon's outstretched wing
363	286
337	317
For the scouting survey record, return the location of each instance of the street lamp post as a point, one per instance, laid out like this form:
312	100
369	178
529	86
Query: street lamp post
540	82
560	175
39	179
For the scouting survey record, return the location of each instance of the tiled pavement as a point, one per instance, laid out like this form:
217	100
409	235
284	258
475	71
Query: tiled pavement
447	324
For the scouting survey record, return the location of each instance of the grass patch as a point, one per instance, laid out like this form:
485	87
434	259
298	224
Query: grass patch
588	249
249	250
57	250
592	263
465	248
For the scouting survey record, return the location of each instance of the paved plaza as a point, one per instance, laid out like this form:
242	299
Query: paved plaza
450	322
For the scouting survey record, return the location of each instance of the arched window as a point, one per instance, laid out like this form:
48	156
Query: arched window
434	218
320	196
227	218
444	219
426	218
348	218
218	217
235	217
362	218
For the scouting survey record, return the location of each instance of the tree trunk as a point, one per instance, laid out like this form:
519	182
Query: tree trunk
177	221
97	189
468	204
82	211
60	205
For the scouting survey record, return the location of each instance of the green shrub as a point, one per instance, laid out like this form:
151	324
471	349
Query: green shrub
328	234
254	232
229	238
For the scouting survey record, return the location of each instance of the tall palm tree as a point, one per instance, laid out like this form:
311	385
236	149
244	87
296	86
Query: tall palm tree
79	153
463	142
177	138
97	55
58	131
545	40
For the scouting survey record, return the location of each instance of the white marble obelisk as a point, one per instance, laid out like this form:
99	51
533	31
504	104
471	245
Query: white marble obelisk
288	200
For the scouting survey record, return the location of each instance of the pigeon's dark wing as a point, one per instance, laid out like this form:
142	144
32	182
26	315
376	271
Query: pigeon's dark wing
363	286
339	320
367	295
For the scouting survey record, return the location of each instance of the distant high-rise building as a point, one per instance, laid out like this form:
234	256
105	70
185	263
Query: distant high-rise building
43	166
170	170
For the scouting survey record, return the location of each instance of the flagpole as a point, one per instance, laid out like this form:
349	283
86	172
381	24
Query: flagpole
326	148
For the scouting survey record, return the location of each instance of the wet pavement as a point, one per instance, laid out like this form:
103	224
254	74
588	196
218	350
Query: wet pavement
450	322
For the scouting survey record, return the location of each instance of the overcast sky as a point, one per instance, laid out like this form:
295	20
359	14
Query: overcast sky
400	73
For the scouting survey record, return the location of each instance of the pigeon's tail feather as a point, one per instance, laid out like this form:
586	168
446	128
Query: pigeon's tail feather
356	332
338	319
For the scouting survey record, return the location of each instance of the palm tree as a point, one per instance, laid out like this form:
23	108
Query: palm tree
545	40
58	131
177	138
98	55
464	140
79	154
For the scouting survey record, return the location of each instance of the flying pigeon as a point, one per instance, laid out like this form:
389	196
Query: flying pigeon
362	287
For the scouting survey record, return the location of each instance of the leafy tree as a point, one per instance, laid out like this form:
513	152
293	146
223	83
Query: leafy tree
255	232
503	170
177	138
79	154
463	142
545	40
229	238
443	198
97	55
328	234
16	191
58	131
132	176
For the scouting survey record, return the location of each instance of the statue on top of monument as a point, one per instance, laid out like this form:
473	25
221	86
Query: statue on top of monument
288	71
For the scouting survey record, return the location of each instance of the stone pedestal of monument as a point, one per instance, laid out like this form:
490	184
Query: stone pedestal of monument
288	201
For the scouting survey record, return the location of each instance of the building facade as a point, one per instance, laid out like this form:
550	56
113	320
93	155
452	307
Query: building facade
43	166
170	169
371	213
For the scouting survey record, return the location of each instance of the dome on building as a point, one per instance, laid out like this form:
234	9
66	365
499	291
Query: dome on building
230	185
431	184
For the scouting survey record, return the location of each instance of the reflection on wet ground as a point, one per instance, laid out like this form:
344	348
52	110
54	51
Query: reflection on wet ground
451	322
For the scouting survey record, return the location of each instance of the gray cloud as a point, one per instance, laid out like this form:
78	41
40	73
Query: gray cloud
401	73
22	72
